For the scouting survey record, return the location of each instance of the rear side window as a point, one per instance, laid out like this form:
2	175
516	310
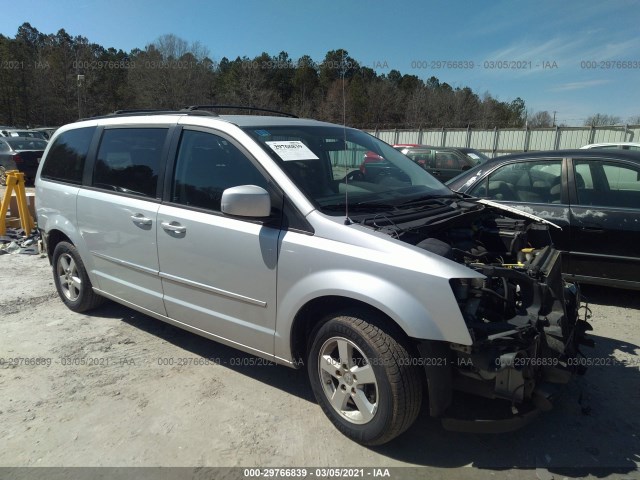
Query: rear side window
128	160
65	160
448	160
607	184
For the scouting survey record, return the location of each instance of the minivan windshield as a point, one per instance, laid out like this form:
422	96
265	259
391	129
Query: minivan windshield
334	166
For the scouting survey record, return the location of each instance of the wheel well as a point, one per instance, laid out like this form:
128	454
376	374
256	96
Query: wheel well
54	237
317	311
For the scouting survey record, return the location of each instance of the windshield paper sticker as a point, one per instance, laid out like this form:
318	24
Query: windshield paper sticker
292	150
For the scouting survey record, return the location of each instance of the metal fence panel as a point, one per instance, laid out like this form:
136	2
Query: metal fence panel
482	140
388	136
509	140
409	137
456	138
609	134
573	137
542	139
432	137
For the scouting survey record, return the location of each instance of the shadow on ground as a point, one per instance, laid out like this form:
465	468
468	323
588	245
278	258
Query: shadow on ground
592	430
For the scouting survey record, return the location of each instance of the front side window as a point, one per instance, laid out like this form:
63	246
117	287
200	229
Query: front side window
208	164
128	160
66	157
532	181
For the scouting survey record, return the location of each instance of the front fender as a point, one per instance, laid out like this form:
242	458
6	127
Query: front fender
433	315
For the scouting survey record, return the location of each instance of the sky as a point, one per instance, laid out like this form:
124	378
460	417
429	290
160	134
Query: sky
573	58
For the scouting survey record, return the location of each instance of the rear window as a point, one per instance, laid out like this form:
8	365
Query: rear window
65	160
27	144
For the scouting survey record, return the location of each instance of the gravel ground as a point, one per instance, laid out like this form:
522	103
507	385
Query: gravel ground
123	389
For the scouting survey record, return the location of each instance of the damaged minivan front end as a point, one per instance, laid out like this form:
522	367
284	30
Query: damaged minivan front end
523	319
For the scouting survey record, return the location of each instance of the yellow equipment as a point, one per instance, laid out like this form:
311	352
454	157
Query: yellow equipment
15	181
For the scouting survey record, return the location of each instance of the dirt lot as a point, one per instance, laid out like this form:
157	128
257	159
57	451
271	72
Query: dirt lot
117	388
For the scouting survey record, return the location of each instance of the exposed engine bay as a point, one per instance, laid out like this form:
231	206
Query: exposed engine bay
522	317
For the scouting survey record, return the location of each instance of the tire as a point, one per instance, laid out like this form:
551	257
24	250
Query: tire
71	279
3	176
363	377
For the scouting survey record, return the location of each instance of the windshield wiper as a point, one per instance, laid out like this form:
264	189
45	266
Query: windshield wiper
360	207
426	198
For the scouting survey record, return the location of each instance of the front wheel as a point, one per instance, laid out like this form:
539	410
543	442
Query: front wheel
364	379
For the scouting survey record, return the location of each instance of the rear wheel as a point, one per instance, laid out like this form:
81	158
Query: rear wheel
71	279
3	175
363	378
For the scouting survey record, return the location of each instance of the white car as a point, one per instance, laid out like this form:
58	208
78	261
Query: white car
262	233
634	146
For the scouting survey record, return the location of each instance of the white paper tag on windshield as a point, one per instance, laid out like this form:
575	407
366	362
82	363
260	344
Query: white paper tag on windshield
292	150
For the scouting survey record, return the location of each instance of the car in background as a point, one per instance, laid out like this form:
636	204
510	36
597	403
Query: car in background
474	154
23	133
20	153
46	132
633	146
443	163
591	196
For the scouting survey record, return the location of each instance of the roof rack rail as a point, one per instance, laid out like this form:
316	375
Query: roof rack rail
161	112
151	111
125	113
192	108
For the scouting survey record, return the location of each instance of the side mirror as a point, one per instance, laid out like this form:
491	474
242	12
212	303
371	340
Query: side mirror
246	201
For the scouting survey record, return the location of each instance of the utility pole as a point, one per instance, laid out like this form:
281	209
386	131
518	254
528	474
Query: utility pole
554	118
80	82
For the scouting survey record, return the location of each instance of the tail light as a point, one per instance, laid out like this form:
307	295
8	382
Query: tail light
17	158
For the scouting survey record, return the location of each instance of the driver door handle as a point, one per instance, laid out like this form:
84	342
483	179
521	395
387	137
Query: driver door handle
173	227
592	229
140	219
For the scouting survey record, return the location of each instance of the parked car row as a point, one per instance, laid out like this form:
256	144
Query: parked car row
43	133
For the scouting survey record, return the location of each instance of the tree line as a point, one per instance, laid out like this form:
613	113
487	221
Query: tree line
53	79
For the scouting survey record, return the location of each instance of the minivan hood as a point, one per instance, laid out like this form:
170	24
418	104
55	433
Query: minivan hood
516	211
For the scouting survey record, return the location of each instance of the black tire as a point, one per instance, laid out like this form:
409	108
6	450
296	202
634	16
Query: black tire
71	279
3	175
388	406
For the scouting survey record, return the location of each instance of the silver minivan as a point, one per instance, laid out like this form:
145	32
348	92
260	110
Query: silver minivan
261	232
